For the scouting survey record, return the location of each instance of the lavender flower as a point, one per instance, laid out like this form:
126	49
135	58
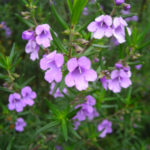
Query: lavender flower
43	35
133	18
87	111
57	93
127	6
20	124
32	48
119	25
120	78
28	96
119	2
80	73
6	28
52	63
138	67
104	82
15	102
105	127
101	27
85	11
28	35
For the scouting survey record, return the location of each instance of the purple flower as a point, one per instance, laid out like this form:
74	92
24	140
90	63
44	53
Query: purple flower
120	78
6	28
125	12
127	6
105	127
119	25
7	32
32	48
138	67
119	2
87	111
85	11
57	93
133	18
15	102
20	124
76	125
101	27
80	73
43	35
93	1
28	96
104	82
28	35
52	63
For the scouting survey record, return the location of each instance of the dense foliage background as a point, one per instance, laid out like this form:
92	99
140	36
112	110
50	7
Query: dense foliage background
49	121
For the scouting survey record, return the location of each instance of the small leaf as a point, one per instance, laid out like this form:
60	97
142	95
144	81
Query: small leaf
27	82
69	2
58	17
12	53
57	42
29	24
74	132
64	129
46	127
78	6
73	113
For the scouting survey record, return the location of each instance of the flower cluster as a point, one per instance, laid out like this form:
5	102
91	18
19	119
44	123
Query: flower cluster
6	29
40	37
119	2
20	124
18	102
132	18
87	111
52	64
80	73
57	93
105	26
119	78
105	127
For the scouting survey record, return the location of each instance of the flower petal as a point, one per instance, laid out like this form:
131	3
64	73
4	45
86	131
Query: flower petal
69	80
72	64
84	62
90	75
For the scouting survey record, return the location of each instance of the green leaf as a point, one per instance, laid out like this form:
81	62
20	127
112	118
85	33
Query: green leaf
74	132
127	36
73	113
146	44
53	108
78	6
9	147
57	42
46	127
27	82
69	2
64	129
25	2
4	77
29	24
58	17
3	63
12	53
5	89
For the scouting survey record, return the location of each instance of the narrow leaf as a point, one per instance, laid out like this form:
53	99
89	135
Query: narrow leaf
46	127
58	17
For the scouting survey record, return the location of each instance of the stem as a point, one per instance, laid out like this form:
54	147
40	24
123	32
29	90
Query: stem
113	11
70	41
